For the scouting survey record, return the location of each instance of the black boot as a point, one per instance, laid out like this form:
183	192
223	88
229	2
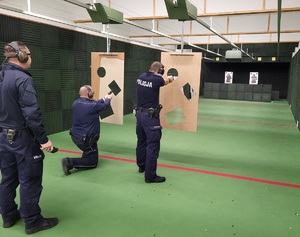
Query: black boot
43	224
13	221
156	179
65	166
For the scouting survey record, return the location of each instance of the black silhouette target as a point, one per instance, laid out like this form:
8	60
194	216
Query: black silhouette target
101	72
172	72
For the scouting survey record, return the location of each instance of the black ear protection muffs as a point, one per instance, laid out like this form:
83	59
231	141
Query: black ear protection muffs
22	56
161	70
90	92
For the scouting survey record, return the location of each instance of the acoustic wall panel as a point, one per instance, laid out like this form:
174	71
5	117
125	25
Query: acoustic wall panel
215	94
81	60
53	100
50	36
207	93
266	97
68	80
257	96
66	39
232	87
38	78
51	58
52	80
67	59
37	57
11	29
224	87
53	121
81	78
67	97
237	92
266	88
208	85
248	88
248	96
231	95
275	95
67	118
79	42
223	95
29	34
239	95
257	88
95	44
42	101
240	87
215	86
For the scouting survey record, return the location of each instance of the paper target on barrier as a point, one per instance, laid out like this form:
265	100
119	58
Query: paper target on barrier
108	76
253	79
228	77
180	98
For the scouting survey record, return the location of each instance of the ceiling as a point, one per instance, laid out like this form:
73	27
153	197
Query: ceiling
212	26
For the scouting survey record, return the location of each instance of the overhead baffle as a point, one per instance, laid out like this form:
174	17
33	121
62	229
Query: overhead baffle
181	10
105	15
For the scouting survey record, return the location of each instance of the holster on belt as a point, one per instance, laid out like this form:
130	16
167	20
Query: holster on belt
154	112
11	135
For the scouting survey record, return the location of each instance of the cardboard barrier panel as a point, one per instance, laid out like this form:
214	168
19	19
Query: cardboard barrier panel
180	98
108	75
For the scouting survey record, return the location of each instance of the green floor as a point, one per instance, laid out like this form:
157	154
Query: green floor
209	191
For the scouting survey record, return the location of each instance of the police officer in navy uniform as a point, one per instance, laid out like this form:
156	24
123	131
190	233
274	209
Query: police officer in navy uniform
148	128
85	130
23	140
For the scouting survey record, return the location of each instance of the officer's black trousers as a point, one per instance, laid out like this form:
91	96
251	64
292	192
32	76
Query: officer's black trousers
89	147
21	164
148	131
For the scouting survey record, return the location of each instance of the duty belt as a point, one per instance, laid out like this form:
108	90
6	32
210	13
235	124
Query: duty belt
141	109
151	111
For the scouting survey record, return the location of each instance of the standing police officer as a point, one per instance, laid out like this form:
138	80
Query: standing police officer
148	128
22	142
85	131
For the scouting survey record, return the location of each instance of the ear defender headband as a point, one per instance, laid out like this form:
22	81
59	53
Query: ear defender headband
22	56
90	92
161	70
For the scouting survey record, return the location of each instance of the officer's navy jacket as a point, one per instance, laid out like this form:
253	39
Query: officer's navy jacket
19	108
86	116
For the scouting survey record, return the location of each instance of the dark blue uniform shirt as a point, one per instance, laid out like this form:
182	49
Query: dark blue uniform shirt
147	88
19	108
86	116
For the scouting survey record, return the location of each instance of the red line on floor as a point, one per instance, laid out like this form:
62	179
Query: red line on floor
245	104
232	176
250	122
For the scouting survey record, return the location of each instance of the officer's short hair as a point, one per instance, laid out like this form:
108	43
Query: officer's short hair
155	66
